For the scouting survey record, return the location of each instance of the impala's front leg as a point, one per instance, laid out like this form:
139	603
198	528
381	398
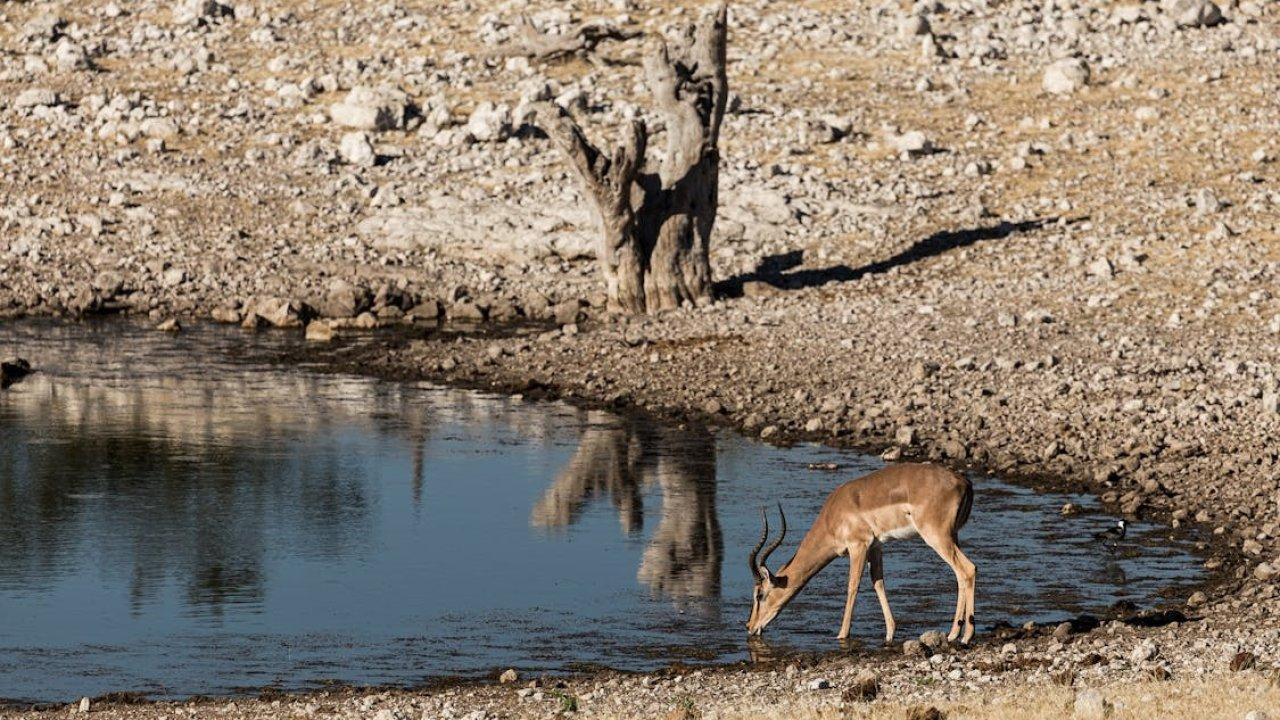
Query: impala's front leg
876	556
857	558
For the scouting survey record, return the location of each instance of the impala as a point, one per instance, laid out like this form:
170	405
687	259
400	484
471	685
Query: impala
858	517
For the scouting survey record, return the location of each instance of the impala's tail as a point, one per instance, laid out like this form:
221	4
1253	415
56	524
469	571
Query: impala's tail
966	504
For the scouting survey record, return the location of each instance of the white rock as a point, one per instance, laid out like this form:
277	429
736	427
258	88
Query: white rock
376	109
912	26
489	123
1128	14
1143	652
173	277
356	149
1065	76
1193	13
70	56
912	143
1101	268
35	97
819	684
193	11
162	128
1090	705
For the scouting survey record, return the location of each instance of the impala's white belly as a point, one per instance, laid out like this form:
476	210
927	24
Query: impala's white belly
900	533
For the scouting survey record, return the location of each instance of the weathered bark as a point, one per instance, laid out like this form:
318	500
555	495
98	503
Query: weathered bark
581	40
655	227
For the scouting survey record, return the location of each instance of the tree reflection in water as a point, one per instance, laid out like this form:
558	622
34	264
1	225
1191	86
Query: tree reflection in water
618	458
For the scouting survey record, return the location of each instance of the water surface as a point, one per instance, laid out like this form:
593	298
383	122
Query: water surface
179	516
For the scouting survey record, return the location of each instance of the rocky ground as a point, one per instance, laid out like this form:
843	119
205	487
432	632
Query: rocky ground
1033	238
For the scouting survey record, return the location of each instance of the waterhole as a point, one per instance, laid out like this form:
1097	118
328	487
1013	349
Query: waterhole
179	515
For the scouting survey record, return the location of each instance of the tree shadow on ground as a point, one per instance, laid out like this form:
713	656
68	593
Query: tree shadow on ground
773	269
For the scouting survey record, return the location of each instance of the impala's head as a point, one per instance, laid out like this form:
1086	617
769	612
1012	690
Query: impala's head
771	592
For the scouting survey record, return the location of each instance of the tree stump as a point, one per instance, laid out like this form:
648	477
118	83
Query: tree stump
655	226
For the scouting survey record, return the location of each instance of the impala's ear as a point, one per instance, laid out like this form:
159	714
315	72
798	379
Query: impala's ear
766	577
770	580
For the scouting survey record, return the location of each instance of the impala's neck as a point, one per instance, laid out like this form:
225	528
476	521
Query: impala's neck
813	554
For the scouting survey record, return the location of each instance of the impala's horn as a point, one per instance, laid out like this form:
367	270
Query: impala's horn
755	552
765	558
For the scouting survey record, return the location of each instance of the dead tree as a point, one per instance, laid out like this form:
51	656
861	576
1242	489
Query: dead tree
655	227
580	40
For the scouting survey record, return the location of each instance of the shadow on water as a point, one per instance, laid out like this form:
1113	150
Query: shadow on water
178	517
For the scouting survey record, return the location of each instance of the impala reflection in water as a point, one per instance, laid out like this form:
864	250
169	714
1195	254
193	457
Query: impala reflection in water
179	515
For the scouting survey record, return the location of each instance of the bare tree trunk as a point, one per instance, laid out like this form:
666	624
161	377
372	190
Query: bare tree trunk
655	228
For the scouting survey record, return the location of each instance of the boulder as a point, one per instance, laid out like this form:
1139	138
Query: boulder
1193	13
69	56
279	312
319	331
227	315
373	109
865	688
1065	76
162	128
343	299
357	149
489	123
1091	705
36	97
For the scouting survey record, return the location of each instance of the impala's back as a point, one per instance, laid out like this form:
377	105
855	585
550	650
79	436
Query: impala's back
897	502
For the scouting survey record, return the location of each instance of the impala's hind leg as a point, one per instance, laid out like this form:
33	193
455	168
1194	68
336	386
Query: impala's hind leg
876	553
966	575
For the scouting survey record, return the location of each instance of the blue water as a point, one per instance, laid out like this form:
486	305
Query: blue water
179	515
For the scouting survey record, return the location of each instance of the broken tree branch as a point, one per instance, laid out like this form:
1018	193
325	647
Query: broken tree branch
581	40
